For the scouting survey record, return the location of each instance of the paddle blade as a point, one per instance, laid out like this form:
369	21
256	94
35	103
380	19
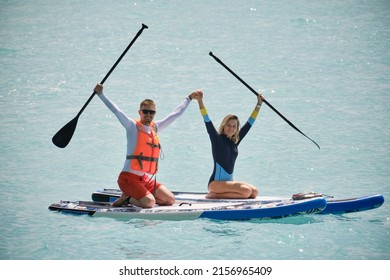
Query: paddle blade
62	138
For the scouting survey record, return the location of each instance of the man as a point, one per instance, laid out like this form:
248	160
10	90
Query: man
143	150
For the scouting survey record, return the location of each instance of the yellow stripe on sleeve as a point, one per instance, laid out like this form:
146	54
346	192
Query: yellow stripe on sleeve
254	114
203	111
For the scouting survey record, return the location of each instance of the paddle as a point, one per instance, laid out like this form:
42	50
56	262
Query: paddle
62	138
265	101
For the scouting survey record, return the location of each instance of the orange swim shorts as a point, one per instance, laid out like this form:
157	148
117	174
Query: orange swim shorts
137	186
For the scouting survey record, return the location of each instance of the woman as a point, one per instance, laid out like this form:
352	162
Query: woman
224	145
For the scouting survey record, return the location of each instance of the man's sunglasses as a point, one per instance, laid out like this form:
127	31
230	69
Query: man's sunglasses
151	112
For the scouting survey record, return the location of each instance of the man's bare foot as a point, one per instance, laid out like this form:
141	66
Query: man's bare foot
122	200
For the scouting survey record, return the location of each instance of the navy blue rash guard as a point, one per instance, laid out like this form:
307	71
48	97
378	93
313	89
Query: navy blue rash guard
224	150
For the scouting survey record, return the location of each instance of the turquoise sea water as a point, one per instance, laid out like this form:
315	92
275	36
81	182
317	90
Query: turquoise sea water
324	64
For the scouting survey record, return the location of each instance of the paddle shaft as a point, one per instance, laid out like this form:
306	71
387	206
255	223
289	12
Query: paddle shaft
62	138
265	101
113	67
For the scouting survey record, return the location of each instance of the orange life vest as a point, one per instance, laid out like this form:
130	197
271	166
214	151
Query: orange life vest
147	150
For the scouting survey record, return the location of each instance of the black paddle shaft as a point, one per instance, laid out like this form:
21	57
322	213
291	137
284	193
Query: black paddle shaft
63	136
265	101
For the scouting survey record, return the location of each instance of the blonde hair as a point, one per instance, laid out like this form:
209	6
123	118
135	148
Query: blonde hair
147	102
226	119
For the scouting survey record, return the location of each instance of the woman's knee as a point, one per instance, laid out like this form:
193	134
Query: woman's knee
254	193
245	190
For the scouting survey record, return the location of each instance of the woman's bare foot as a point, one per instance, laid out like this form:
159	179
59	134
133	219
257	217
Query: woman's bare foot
211	195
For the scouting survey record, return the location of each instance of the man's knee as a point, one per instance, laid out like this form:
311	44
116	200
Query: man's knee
148	201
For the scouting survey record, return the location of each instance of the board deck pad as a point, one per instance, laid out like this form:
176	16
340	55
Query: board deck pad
334	205
189	210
